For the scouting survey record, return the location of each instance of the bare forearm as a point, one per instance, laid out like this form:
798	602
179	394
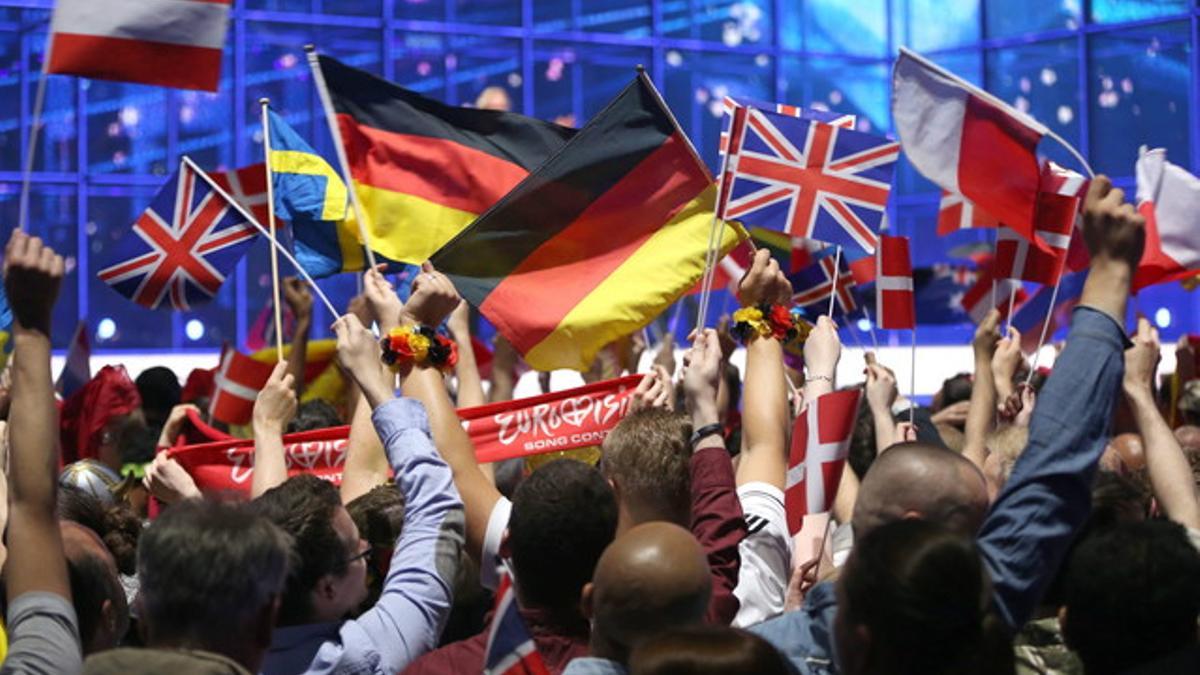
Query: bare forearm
979	415
885	429
1107	288
1168	468
270	465
470	384
847	494
366	462
765	415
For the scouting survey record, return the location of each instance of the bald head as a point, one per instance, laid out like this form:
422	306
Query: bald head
915	480
651	578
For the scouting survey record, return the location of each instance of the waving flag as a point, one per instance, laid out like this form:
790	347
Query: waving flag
77	370
731	105
809	179
1016	258
820	442
248	187
182	248
966	141
814	284
306	187
510	647
894	306
170	43
989	291
1169	198
956	213
238	381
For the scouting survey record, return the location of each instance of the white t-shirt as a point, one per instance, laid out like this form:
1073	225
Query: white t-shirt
490	562
766	554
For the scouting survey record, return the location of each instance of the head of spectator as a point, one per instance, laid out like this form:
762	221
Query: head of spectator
646	459
160	391
1132	596
96	590
211	578
564	515
314	414
90	418
914	597
954	390
1117	499
494	98
921	481
328	576
116	524
652	578
379	517
707	650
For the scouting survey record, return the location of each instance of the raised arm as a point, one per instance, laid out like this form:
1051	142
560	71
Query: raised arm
1048	496
273	409
433	298
881	395
1170	473
470	384
983	390
1005	363
43	634
366	462
299	299
408	618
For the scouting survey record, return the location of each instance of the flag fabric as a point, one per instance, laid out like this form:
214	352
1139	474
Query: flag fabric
820	442
510	646
1016	258
966	141
616	225
894	304
306	187
730	105
733	266
813	285
809	179
938	293
1031	315
956	213
182	247
990	291
1169	199
248	187
169	43
238	381
77	370
1062	181
424	170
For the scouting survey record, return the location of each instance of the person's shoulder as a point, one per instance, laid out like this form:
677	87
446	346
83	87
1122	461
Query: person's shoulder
457	657
591	665
137	661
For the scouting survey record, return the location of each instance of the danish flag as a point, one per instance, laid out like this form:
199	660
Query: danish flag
956	213
988	291
1016	258
807	178
894	284
182	248
510	648
820	442
237	383
814	284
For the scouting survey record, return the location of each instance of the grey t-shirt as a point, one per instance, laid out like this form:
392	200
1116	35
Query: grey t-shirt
43	636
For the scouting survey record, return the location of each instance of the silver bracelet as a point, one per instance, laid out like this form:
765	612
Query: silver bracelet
827	378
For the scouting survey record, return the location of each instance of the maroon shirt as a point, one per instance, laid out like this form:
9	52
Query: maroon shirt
557	645
719	525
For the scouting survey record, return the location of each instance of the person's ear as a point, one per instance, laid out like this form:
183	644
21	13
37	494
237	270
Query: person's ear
586	597
326	589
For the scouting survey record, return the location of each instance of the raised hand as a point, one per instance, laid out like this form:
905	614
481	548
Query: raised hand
174	424
1112	228
702	377
382	300
881	388
276	401
298	298
764	282
433	298
1005	362
822	350
359	355
33	273
987	335
460	323
1141	361
167	480
654	391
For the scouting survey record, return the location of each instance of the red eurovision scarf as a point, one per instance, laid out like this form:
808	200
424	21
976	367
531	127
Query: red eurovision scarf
563	420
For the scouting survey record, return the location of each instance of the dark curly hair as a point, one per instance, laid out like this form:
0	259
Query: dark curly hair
117	525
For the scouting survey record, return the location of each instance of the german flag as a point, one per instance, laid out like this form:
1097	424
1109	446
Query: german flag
424	170
595	243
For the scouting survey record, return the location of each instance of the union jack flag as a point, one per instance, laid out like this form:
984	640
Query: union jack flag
731	105
181	248
248	187
807	178
510	648
814	284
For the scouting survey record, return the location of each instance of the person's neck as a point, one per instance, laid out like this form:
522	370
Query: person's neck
601	648
248	656
630	516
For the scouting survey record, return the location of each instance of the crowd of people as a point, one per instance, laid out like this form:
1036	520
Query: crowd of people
1016	525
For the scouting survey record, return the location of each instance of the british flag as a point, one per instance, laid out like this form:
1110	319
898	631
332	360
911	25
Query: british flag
248	187
731	105
814	284
510	648
182	248
807	178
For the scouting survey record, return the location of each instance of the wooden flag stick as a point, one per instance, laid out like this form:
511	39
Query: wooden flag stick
265	106
39	100
837	272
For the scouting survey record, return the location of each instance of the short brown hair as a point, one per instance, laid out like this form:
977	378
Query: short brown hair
647	456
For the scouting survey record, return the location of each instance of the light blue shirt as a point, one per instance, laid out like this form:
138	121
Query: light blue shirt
412	610
591	665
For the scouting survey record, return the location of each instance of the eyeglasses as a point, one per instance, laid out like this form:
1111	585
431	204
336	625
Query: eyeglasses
361	555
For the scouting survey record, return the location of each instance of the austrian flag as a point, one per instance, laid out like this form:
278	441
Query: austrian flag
894	284
820	442
169	43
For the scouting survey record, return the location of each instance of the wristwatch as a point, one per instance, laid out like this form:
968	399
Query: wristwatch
706	431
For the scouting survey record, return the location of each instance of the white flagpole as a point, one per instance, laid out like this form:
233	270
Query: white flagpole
265	104
837	272
335	130
1012	299
39	102
263	231
1045	329
871	325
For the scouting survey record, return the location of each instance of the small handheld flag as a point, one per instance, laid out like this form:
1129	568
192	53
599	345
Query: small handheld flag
510	648
813	285
894	305
820	443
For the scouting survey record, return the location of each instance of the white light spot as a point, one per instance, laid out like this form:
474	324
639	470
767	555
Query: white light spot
762	60
129	116
674	59
1127	85
1024	85
701	95
864	325
1106	83
106	329
514	80
1049	76
1065	114
835	96
731	35
1109	99
194	329
1162	318
1021	104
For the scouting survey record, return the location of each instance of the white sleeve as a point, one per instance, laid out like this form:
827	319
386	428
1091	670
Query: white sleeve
843	542
490	561
766	554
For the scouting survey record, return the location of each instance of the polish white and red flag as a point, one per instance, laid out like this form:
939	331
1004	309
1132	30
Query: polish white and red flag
956	213
169	43
967	141
820	443
1169	198
237	383
894	305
